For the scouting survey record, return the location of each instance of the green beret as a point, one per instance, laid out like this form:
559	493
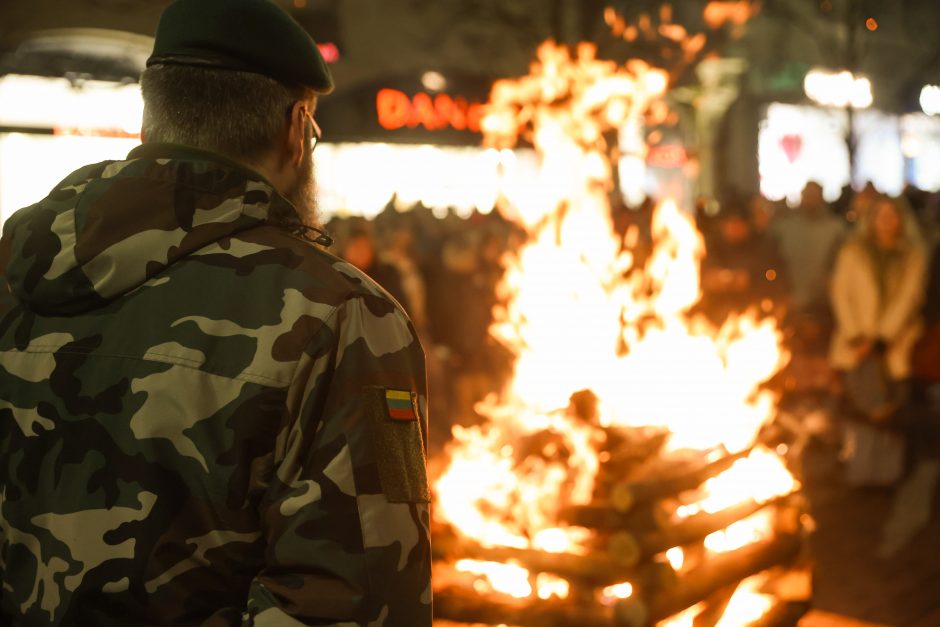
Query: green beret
246	35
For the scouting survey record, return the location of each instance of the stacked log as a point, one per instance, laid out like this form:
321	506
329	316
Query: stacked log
718	576
634	523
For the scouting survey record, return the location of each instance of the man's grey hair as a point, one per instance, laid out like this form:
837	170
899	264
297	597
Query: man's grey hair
240	115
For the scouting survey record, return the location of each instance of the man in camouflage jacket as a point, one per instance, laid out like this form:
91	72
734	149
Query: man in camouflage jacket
204	418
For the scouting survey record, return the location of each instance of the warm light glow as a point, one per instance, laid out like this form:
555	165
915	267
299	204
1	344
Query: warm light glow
759	477
92	121
721	12
930	99
579	316
93	106
31	165
506	578
439	177
840	89
747	604
549	586
558	540
685	618
614	593
741	533
676	557
433	81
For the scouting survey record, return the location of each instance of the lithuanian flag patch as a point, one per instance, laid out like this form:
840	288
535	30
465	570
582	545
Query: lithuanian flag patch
401	405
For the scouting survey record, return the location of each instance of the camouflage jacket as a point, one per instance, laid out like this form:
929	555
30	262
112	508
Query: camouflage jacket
204	419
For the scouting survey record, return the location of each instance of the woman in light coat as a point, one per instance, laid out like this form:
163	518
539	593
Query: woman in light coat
877	290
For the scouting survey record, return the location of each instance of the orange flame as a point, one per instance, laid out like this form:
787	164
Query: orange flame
580	314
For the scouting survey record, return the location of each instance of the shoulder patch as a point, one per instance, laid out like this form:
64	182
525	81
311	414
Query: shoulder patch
401	404
398	444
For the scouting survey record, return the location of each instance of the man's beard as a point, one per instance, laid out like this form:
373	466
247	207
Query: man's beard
303	193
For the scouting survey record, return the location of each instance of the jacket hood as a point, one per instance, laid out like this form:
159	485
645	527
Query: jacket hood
109	227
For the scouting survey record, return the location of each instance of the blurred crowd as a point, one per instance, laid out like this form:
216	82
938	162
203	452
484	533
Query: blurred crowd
444	271
855	283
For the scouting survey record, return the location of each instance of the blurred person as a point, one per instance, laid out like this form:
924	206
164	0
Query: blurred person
840	206
205	419
861	204
742	269
930	220
359	249
461	312
925	367
932	300
878	289
877	294
919	417
400	255
808	239
762	213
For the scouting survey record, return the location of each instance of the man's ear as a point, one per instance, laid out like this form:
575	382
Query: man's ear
297	133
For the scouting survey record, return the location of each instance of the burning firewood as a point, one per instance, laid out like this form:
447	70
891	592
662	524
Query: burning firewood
709	582
782	614
597	568
698	584
715	606
573	457
628	548
625	496
470	606
603	516
697	527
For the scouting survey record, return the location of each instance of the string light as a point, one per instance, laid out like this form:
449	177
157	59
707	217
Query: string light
841	89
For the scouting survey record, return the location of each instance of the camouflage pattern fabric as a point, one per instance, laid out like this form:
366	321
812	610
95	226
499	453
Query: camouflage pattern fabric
192	425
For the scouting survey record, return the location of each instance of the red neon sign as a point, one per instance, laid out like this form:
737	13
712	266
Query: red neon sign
329	51
395	109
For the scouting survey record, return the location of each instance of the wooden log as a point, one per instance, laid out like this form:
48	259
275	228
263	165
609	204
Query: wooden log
697	526
715	606
604	516
793	583
470	606
626	449
698	584
626	495
629	548
615	556
655	576
596	568
624	548
782	614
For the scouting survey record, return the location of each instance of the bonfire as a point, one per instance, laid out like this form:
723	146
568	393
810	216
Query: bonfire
620	477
